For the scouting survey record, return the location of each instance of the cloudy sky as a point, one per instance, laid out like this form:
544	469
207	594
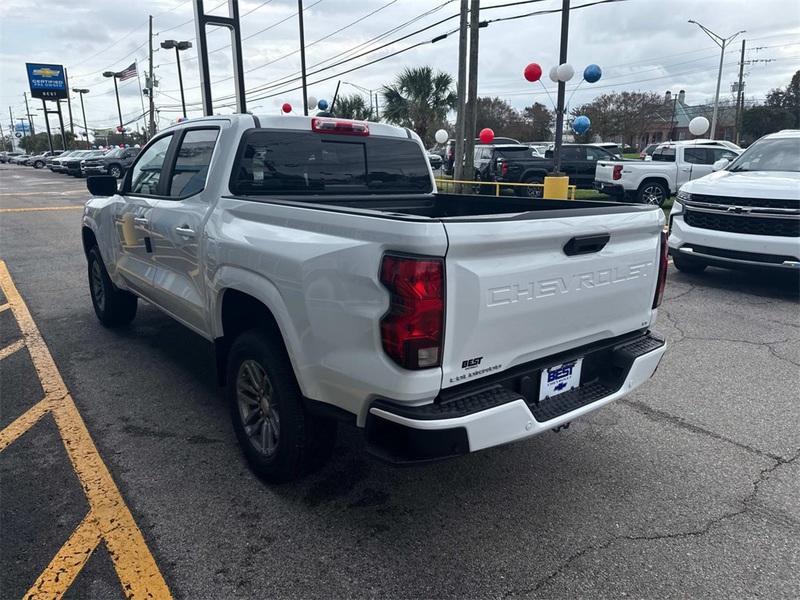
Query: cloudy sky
640	44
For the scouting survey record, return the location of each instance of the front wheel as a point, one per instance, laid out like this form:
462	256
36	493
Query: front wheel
115	171
38	164
280	440
114	307
686	264
653	193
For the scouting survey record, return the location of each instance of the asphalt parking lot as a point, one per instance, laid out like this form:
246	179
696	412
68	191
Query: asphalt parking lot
126	479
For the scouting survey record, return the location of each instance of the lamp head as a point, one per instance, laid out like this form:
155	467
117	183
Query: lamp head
168	44
109	74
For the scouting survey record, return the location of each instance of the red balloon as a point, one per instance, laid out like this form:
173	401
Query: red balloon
533	72
287	108
486	135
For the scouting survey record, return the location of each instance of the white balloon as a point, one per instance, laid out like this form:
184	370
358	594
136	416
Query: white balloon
698	126
565	72
441	136
554	74
312	102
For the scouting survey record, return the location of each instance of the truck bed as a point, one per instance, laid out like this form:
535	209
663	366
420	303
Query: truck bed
458	206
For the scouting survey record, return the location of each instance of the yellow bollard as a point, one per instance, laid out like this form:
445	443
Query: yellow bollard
555	188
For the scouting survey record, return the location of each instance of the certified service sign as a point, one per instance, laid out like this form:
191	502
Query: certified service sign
47	81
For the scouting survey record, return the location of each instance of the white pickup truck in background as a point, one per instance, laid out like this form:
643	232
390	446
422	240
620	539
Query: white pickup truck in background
746	214
653	181
336	284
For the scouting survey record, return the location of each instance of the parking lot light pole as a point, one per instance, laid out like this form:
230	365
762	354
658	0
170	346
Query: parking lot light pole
167	45
81	92
722	43
114	75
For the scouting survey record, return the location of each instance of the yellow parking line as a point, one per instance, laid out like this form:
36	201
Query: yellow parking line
68	562
135	566
11	348
5	306
23	423
39	208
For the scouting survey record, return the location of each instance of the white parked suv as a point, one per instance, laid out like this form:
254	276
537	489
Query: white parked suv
336	284
746	214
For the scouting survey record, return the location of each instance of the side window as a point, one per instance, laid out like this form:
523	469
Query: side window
666	154
147	171
698	156
724	153
191	165
572	153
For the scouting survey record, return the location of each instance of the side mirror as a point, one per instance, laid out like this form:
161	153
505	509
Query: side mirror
648	157
721	164
102	185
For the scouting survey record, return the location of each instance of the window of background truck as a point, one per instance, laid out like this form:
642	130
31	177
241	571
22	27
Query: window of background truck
147	170
664	154
295	163
191	166
698	156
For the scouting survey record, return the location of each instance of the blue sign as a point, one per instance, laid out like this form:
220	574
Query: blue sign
22	126
47	82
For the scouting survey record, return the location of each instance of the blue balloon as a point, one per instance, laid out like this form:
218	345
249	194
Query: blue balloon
581	125
322	104
592	73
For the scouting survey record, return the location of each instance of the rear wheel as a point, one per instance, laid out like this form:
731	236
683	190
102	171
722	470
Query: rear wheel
531	192
686	264
38	164
653	193
114	307
280	440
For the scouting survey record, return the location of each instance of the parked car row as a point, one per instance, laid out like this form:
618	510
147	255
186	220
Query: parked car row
78	163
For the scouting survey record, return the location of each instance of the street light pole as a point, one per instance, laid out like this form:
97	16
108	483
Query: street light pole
303	56
167	44
114	75
722	43
81	92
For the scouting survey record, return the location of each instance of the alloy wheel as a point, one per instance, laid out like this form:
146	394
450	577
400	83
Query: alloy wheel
257	409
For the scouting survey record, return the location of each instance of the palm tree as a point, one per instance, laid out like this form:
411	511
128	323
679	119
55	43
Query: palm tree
353	107
419	100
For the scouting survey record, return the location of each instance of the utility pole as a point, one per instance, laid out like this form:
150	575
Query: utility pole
740	97
3	137
562	88
461	92
11	127
722	43
28	112
151	84
69	106
81	92
303	56
471	113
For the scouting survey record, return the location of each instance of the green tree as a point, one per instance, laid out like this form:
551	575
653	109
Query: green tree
788	99
34	144
533	123
420	100
761	120
539	119
353	107
623	114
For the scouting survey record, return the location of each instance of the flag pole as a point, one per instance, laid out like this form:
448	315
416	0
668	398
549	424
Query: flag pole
141	97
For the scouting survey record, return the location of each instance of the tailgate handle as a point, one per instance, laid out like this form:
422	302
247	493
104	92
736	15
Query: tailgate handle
586	244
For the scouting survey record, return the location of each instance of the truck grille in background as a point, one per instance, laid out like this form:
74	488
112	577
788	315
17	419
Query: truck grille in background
785	227
757	202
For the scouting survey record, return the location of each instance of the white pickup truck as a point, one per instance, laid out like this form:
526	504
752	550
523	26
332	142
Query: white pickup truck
653	181
337	285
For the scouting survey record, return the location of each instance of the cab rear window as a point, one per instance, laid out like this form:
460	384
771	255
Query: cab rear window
305	163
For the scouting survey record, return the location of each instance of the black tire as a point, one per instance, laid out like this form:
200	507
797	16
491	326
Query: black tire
115	171
38	164
686	264
114	307
654	193
531	192
279	439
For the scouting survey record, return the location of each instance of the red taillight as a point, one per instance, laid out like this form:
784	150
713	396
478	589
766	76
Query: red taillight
337	126
412	328
502	166
662	271
617	172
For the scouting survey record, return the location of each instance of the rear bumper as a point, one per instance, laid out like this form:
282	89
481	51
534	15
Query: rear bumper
508	409
609	188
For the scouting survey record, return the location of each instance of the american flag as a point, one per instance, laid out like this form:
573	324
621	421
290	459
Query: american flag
127	73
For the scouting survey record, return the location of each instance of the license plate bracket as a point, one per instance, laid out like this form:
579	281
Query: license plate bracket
560	378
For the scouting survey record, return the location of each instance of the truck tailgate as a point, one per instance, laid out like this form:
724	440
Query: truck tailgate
604	171
515	295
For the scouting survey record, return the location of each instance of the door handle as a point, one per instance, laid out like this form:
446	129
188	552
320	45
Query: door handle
185	231
586	244
141	220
